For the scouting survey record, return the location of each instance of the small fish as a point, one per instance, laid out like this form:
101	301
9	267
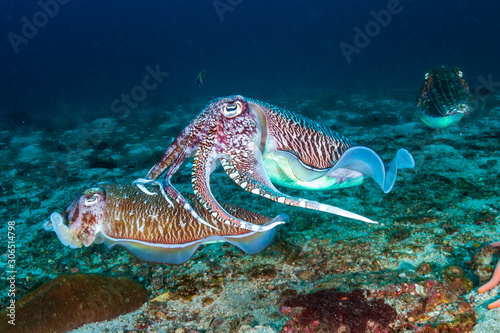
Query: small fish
202	77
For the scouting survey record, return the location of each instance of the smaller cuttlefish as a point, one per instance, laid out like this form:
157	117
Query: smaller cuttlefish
444	100
148	227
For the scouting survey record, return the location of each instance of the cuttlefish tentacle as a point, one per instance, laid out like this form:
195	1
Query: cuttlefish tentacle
249	174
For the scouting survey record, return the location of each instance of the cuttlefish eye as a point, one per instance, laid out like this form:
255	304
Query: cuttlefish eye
92	200
232	110
426	76
460	74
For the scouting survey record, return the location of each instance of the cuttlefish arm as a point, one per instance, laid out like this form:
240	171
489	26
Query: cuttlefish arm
197	138
248	172
495	279
204	163
152	231
180	149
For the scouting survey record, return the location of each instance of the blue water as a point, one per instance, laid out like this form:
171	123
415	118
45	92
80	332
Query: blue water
95	91
79	56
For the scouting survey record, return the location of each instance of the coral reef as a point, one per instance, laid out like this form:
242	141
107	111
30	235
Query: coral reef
426	258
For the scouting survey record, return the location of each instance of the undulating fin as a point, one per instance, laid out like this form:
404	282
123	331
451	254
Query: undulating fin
440	122
255	242
176	254
403	160
173	254
406	114
300	170
366	161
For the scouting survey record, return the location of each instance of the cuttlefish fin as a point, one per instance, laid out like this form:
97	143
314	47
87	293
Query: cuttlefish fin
176	254
366	161
407	114
255	242
247	170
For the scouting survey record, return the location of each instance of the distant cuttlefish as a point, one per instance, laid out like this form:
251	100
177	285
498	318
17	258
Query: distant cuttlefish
148	227
444	100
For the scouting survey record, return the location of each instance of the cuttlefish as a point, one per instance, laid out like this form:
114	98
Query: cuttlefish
444	100
259	145
150	228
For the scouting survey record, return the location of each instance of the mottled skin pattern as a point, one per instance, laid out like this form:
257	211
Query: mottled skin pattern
85	210
445	93
317	146
125	212
235	131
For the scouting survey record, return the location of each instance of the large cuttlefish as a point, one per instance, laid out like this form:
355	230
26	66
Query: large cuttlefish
148	227
259	144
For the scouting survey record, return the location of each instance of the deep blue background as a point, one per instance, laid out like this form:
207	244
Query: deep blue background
92	51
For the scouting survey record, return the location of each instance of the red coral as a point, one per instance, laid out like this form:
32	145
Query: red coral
329	310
